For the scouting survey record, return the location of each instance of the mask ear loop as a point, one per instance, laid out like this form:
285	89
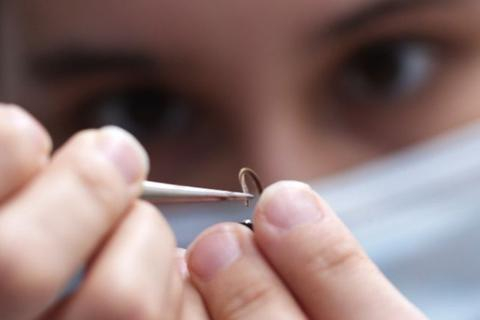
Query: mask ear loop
253	177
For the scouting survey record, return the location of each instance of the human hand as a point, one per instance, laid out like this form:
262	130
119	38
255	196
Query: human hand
301	262
80	208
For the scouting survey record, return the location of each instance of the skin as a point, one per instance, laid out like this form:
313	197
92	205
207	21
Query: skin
258	77
100	172
132	268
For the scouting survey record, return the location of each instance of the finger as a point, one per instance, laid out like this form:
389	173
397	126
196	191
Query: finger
24	148
176	286
53	225
234	279
192	307
132	275
319	259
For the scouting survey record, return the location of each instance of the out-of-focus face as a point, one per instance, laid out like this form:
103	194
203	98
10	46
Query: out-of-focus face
293	88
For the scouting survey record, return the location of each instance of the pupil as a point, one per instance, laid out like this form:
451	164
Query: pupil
149	112
381	66
145	108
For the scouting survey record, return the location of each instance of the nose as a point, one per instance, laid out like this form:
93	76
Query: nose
277	143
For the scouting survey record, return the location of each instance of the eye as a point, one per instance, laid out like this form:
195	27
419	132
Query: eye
387	70
146	112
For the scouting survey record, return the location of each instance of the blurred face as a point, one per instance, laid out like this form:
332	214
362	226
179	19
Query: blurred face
293	88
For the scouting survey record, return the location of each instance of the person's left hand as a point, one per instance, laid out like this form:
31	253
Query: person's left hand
301	262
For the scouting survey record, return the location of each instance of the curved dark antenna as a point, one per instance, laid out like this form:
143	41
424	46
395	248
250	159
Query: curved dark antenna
242	177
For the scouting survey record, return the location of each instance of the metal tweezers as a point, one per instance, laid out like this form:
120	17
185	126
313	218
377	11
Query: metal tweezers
158	192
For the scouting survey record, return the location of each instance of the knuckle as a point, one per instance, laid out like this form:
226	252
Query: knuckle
245	300
336	252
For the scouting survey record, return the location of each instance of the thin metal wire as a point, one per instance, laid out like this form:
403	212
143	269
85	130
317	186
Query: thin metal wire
242	177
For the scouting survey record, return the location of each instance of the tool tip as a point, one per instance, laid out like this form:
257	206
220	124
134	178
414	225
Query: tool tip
241	195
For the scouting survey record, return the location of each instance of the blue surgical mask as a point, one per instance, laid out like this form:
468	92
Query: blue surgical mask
416	213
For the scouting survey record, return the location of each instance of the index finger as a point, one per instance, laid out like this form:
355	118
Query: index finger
319	259
53	226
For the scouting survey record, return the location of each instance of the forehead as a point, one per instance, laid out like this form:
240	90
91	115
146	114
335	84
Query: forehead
173	23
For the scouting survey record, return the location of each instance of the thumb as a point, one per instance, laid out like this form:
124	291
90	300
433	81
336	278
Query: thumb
319	259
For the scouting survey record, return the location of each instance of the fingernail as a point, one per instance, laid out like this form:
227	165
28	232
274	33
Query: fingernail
28	124
125	152
182	263
213	252
289	204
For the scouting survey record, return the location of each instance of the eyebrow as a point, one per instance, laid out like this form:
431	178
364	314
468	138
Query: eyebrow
63	64
377	10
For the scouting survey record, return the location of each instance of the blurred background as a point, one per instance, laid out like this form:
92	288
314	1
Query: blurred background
373	102
294	89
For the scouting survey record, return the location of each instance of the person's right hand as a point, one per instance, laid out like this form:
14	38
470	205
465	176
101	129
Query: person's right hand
80	208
